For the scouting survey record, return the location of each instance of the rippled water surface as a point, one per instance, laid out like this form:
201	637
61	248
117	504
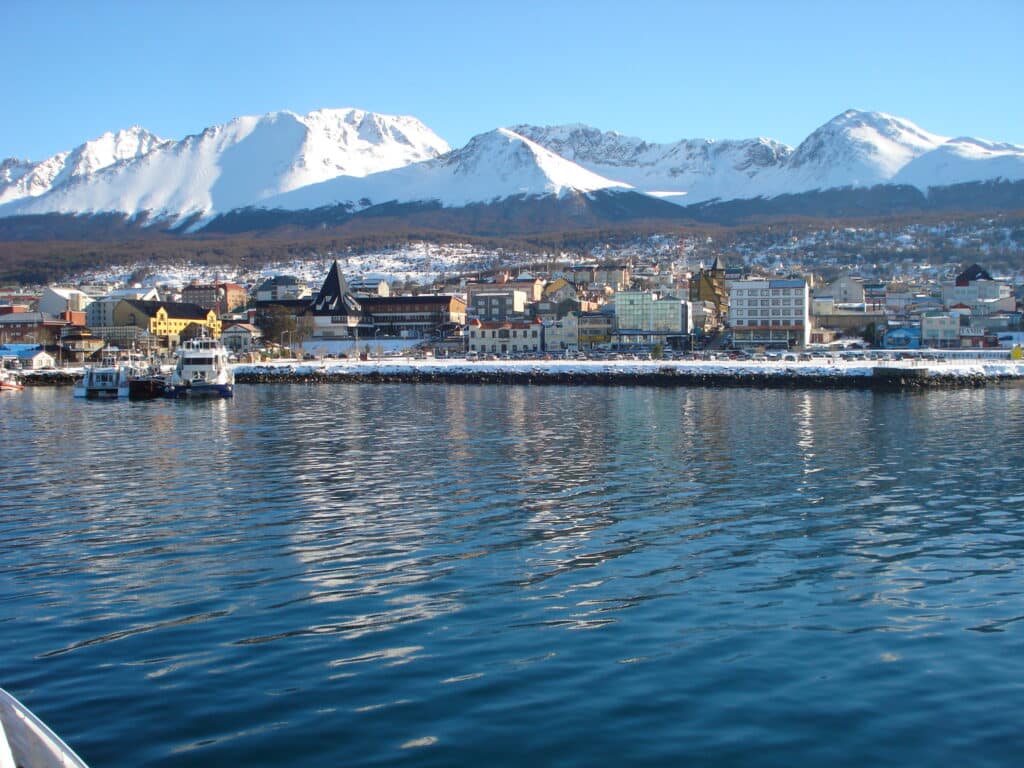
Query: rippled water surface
455	575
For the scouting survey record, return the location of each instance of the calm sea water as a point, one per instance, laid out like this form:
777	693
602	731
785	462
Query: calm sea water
464	576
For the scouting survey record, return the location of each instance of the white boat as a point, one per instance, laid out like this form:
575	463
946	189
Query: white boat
201	370
26	742
108	380
8	382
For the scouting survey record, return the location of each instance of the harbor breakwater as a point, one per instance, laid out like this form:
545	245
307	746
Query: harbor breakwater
861	375
719	374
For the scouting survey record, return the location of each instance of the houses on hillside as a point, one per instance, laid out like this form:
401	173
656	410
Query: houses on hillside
623	306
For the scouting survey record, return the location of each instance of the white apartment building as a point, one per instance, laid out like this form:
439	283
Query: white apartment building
769	313
562	335
57	301
975	288
940	330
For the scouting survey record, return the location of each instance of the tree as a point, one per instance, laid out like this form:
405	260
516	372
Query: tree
870	334
275	322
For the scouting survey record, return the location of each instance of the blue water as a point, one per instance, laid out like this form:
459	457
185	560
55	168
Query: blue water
463	576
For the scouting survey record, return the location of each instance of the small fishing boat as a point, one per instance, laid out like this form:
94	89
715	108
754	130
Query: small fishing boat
8	382
202	370
26	741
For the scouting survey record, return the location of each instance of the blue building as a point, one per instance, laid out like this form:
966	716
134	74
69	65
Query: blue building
902	338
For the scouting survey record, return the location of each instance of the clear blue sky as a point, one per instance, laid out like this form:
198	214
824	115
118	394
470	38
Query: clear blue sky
659	70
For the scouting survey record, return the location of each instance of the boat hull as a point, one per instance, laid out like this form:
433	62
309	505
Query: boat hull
146	388
25	740
100	393
199	390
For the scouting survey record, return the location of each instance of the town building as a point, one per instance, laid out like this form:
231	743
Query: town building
165	321
35	327
940	329
222	298
79	343
770	313
369	286
418	317
505	337
595	328
975	288
494	302
56	301
282	288
562	335
644	318
100	312
26	356
337	313
242	338
846	289
710	286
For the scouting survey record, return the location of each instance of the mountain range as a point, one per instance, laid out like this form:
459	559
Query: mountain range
335	165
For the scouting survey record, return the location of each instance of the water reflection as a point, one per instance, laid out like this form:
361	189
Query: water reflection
392	566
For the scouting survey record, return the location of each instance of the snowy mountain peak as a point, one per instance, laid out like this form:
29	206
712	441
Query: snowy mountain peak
511	157
493	166
23	178
356	159
858	148
227	166
691	169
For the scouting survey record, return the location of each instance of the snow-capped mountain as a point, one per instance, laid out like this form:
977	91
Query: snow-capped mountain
492	166
286	162
691	170
240	163
857	149
23	178
963	160
854	149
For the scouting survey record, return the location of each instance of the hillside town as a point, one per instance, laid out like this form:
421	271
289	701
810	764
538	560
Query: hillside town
647	307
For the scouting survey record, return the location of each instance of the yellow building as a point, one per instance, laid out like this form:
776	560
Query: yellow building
165	319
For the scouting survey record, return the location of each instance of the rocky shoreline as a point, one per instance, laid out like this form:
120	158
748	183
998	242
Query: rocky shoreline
887	378
623	378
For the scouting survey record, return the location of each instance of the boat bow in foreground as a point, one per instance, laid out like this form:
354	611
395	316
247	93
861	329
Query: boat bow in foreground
26	742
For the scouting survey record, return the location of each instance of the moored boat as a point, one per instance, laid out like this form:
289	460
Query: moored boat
25	740
147	387
202	370
112	379
8	382
102	382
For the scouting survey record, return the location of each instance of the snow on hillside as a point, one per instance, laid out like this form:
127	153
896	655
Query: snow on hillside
492	166
961	160
699	169
357	158
419	263
23	178
854	149
242	162
857	149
